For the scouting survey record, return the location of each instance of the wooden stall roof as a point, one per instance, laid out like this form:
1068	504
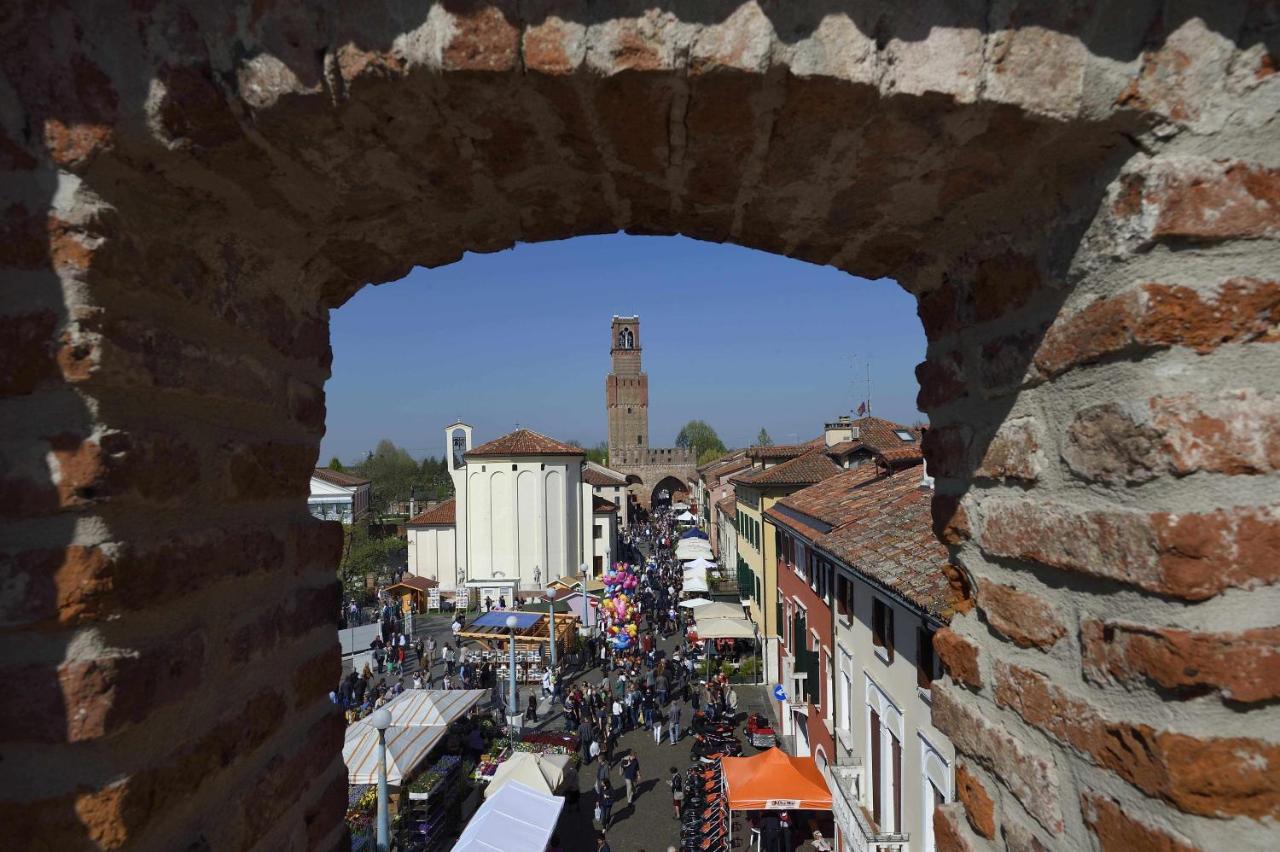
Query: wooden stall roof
417	584
490	629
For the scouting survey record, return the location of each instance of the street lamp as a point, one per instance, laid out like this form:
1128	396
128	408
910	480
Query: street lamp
512	621
586	598
381	720
551	627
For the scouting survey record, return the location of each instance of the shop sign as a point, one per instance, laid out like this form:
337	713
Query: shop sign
782	804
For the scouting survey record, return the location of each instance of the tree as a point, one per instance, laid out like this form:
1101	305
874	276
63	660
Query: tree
599	453
763	439
710	454
394	476
698	436
365	554
334	464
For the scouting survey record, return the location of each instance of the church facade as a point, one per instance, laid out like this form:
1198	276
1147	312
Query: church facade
653	474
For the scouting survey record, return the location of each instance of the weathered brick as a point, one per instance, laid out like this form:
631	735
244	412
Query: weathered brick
1106	444
270	469
947	833
1001	285
959	656
1013	452
1031	777
1243	666
1159	316
1218	777
947	450
979	808
1217	201
950	520
1191	556
1236	433
941	380
1117	831
314	678
1026	619
481	39
26	352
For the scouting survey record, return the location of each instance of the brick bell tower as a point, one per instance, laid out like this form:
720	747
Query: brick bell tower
626	394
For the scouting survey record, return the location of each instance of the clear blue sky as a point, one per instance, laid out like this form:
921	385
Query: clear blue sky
736	337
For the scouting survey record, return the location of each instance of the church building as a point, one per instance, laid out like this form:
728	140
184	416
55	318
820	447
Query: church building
526	509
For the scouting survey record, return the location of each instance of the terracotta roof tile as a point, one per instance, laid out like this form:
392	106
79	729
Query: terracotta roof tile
783	451
878	434
881	528
525	442
729	505
594	474
440	515
813	466
601	506
339	478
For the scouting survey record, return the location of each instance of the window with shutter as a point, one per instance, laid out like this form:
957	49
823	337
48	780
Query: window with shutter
877	785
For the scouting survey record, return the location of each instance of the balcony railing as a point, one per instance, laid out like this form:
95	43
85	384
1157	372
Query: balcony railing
859	828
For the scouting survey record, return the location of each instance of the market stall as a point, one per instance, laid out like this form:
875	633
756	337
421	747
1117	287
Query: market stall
516	819
694	603
412	593
546	773
774	781
718	609
419	720
694	532
532	640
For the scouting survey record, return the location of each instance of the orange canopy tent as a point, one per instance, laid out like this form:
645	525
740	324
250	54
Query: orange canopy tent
774	780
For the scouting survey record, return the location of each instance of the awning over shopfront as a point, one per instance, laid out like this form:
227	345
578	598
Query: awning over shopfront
694	603
419	719
701	563
515	819
695	582
693	532
774	780
725	628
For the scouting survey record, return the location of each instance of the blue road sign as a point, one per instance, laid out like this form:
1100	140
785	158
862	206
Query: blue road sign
778	692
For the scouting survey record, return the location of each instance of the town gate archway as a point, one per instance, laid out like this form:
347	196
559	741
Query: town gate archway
1082	198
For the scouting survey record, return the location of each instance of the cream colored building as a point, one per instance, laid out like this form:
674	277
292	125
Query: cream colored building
433	545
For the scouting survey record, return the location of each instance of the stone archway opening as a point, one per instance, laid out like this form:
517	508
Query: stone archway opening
667	491
1082	203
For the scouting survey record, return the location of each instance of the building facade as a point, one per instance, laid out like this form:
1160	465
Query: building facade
863	589
626	394
433	545
338	496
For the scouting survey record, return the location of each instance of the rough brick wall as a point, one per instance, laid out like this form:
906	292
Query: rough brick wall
1084	199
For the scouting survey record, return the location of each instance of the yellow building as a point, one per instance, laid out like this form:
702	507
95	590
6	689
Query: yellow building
778	471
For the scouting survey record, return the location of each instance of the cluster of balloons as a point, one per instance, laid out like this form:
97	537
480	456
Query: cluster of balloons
619	587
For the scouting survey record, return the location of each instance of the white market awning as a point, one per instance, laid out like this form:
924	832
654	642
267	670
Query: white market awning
695	583
515	819
725	628
545	773
419	719
693	548
718	609
694	603
686	516
700	562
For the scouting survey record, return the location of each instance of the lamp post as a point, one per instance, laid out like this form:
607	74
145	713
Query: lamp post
512	621
551	628
381	720
586	597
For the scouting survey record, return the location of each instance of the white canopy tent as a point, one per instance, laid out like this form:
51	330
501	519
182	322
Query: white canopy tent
686	516
419	719
545	773
515	819
725	628
694	603
700	562
693	548
718	609
679	507
695	583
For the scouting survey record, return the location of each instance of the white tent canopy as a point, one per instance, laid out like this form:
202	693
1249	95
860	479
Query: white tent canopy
694	583
701	563
679	507
693	548
545	773
725	628
718	610
694	603
419	719
686	516
515	819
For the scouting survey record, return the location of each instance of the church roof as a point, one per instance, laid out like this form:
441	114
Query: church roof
440	515
524	442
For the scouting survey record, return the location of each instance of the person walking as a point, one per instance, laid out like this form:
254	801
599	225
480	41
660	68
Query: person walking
673	723
657	726
631	774
531	711
784	826
677	790
604	802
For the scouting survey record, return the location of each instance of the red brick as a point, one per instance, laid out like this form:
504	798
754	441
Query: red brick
26	354
946	449
1008	362
941	380
1243	666
937	311
1023	618
1222	201
1217	777
959	656
1002	285
1236	433
950	520
271	469
1158	316
979	808
948	836
314	678
1106	444
1117	831
1031	777
482	39
1012	453
1192	556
